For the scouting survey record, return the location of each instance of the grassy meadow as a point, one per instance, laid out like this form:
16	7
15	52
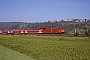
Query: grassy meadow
49	47
8	54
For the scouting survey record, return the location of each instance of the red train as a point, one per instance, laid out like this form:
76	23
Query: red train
27	31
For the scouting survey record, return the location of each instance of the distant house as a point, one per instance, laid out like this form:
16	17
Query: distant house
70	20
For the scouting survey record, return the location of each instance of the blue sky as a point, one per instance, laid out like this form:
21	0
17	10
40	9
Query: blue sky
43	10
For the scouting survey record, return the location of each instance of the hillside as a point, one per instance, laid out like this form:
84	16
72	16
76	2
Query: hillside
67	26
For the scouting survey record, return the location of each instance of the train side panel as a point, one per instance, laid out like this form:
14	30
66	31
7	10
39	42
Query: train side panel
31	31
17	31
0	31
53	30
28	31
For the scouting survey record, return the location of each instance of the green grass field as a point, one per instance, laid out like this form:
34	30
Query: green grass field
7	54
49	47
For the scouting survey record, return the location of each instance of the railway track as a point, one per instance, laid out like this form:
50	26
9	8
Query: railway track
63	34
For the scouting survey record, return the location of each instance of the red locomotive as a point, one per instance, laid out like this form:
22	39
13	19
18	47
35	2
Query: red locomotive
27	31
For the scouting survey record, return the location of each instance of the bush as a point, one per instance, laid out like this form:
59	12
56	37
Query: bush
89	32
76	34
86	33
66	32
